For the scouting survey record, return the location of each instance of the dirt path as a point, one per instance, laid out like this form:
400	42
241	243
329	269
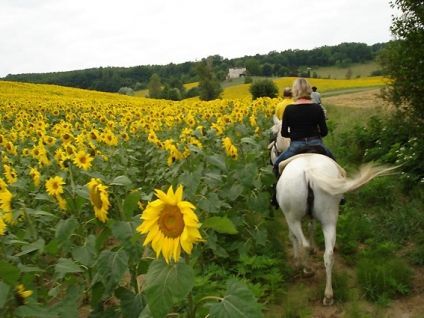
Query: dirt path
304	296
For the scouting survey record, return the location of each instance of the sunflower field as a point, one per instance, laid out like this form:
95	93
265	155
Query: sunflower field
115	206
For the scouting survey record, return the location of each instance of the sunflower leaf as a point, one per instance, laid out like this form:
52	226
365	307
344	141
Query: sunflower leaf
167	284
111	267
121	181
220	224
131	203
218	161
131	304
238	302
9	273
66	265
4	292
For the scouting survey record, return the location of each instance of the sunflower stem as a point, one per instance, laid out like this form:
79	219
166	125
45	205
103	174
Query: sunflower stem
33	231
191	309
73	191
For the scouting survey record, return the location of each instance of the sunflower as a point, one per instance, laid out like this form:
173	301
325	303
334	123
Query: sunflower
230	149
10	174
3	185
83	160
54	186
21	294
61	202
35	175
2	227
6	206
99	199
170	224
10	147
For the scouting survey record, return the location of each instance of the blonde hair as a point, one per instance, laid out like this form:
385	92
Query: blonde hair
301	89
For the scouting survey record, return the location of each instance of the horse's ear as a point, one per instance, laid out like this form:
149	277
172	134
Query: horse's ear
275	119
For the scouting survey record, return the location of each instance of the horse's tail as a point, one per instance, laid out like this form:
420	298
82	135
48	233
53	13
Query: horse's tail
343	184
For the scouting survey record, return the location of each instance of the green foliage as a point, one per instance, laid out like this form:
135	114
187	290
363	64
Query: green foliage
192	92
353	229
417	255
155	86
382	275
393	139
263	88
209	86
248	80
253	67
401	60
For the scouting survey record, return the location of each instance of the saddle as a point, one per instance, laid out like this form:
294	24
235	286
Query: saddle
313	149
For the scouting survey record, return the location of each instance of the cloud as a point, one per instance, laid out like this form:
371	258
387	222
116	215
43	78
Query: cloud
48	35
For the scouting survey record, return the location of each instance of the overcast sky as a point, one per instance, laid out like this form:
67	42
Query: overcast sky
62	35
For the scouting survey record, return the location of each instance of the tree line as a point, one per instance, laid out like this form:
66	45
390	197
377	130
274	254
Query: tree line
172	76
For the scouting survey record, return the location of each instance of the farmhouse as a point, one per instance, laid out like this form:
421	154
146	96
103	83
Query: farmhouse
236	72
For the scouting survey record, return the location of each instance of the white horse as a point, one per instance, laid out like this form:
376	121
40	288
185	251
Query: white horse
314	184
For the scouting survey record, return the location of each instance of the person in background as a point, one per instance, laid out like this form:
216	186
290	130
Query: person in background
316	98
287	100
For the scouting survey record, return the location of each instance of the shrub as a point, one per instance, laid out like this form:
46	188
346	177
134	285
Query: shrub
263	88
248	80
126	91
194	91
393	140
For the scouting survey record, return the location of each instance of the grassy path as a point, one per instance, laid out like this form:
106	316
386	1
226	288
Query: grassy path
301	297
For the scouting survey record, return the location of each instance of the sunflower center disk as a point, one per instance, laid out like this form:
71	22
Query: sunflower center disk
171	221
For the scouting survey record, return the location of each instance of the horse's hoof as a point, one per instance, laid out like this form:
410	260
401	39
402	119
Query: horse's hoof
306	272
328	301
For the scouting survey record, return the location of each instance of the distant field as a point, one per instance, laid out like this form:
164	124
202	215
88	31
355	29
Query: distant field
237	89
358	70
324	85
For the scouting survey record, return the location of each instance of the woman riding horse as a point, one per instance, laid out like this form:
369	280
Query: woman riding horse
304	123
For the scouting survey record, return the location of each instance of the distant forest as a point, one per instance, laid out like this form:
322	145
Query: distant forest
284	63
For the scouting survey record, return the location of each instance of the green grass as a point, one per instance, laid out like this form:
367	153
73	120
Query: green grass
348	91
335	72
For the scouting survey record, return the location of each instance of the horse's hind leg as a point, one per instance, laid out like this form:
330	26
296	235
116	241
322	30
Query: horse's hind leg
296	247
300	245
329	231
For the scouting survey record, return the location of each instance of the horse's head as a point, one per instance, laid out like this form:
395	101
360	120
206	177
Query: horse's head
279	143
277	126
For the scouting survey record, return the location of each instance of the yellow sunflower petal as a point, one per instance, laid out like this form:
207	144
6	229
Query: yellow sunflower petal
186	204
177	250
185	243
162	196
179	193
151	235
